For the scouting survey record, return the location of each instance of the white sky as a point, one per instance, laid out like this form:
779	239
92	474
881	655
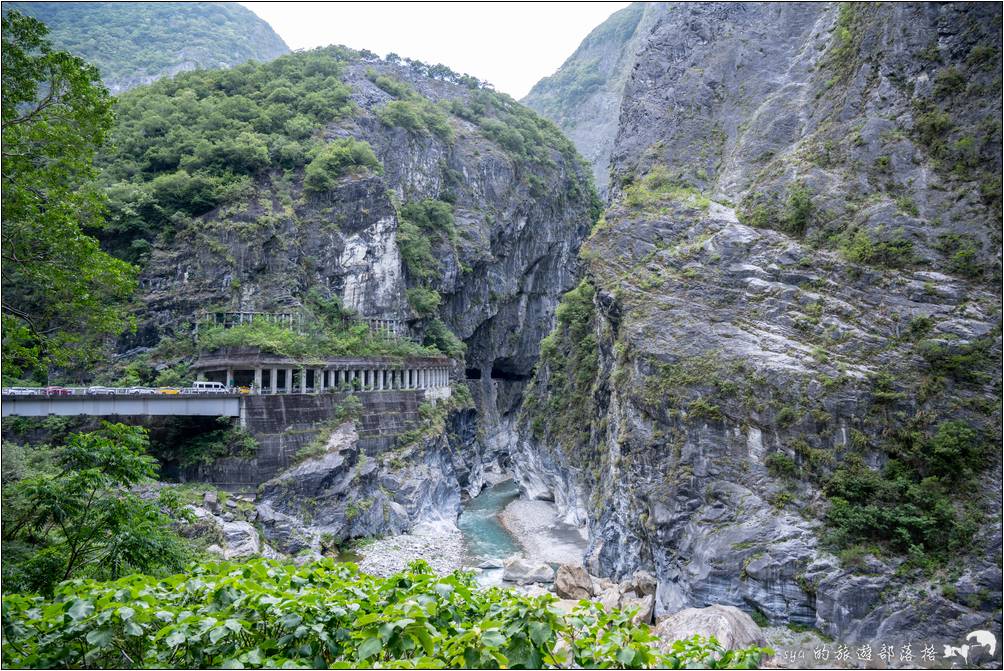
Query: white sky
512	45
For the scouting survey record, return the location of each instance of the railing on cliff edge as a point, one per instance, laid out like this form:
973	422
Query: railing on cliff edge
396	329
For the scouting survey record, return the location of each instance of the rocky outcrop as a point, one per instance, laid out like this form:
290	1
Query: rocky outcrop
730	626
345	494
772	304
519	210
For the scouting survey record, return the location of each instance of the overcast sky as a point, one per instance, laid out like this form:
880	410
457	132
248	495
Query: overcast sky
512	45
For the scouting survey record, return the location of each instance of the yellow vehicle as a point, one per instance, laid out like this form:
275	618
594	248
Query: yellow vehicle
243	390
168	390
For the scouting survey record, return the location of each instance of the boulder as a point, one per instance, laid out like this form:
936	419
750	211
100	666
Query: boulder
642	583
644	604
525	570
729	625
609	598
572	582
211	502
490	564
241	540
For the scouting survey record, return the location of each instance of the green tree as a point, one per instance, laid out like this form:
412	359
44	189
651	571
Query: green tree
60	291
342	156
77	516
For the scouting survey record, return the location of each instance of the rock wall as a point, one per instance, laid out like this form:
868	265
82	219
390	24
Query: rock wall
519	225
284	424
346	493
789	261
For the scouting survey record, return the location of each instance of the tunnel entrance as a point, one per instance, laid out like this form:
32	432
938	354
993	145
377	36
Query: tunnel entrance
505	369
472	373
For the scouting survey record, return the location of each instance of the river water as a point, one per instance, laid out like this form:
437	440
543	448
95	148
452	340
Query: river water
484	535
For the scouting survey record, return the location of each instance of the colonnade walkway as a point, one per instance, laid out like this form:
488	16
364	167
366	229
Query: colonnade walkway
273	374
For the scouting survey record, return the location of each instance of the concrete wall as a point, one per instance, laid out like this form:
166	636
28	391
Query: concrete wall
283	424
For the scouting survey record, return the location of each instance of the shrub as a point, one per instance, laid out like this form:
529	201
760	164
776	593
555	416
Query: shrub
423	301
861	247
438	335
76	517
265	614
962	254
781	465
418	116
948	82
658	187
798	209
908	505
340	157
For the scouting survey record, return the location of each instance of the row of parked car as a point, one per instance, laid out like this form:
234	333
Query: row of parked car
197	388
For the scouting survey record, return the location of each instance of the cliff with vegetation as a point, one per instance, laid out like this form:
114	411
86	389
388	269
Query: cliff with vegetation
778	384
583	96
336	185
136	43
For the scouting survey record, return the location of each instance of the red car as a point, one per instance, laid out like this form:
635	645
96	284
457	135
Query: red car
57	391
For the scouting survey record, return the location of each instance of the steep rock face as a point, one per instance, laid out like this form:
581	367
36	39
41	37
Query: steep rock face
137	43
583	97
518	220
721	382
345	493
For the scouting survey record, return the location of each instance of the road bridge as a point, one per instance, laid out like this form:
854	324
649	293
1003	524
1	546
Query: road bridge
207	405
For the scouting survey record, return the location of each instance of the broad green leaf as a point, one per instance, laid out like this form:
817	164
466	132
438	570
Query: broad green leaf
100	637
369	647
80	609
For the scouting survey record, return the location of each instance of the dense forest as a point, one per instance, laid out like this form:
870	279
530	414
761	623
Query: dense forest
138	42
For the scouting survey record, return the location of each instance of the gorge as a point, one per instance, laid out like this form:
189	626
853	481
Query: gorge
745	353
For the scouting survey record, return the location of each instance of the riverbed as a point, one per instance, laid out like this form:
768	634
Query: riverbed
492	527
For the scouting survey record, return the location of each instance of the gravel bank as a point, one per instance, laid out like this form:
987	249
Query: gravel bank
441	544
534	524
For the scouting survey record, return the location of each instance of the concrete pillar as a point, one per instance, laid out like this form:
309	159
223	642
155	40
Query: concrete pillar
230	377
303	380
273	378
257	380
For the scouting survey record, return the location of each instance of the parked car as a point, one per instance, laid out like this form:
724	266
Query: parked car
53	390
105	391
137	390
23	391
206	387
170	391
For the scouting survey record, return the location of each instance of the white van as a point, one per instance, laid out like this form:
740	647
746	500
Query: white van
206	387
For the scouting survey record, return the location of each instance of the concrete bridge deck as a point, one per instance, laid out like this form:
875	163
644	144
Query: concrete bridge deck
208	405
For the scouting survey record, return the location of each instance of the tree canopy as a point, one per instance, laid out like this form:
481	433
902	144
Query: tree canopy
61	293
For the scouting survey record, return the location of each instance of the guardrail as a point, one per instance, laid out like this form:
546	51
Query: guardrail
124	391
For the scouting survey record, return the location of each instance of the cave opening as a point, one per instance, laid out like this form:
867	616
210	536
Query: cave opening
472	373
505	369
